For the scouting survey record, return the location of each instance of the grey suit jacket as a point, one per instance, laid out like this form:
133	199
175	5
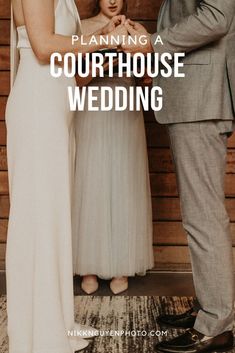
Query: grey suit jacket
205	31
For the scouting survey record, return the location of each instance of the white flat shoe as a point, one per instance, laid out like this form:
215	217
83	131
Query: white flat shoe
119	285
84	331
78	344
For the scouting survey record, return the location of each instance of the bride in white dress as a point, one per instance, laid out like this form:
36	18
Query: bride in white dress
39	250
112	216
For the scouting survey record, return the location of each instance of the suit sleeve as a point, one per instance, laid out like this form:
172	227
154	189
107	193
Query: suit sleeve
210	22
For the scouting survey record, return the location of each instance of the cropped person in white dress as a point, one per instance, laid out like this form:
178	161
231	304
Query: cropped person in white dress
112	215
39	250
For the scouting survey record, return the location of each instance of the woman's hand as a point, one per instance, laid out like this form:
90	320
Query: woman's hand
116	37
120	30
114	22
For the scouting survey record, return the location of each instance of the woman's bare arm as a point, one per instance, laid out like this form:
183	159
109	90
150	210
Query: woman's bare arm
40	22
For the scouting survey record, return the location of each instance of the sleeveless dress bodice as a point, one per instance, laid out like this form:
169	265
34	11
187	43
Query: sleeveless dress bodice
67	22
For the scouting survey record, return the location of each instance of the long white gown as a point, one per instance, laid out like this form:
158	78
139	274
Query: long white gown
112	215
39	250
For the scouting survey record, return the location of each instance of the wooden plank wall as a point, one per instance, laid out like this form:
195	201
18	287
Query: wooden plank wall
170	245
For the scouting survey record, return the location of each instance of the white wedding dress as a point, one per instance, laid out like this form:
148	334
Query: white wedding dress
112	214
39	250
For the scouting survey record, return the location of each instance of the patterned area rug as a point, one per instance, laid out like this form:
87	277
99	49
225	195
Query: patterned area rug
126	324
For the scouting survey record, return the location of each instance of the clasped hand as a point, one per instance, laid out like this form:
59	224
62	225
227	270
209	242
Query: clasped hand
121	27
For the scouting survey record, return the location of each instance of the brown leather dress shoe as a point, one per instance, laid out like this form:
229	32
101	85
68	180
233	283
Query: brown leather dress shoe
193	341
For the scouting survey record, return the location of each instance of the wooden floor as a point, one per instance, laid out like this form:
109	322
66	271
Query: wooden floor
119	314
153	284
134	319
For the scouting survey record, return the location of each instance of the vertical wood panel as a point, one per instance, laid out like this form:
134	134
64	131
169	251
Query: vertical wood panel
4	83
5	58
5	8
4	32
4	91
3	101
3	133
4	207
143	10
87	8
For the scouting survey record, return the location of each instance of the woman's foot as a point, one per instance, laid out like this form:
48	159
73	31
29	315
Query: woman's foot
119	285
84	331
78	344
89	284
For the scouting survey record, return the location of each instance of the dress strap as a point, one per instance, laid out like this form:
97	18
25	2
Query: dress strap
77	16
13	50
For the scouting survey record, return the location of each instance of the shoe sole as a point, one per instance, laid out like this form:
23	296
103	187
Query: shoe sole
172	326
224	350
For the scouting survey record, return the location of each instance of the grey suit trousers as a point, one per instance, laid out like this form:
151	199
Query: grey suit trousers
199	153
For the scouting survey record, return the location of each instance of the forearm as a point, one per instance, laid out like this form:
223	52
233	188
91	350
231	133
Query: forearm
99	32
40	23
39	18
209	23
63	44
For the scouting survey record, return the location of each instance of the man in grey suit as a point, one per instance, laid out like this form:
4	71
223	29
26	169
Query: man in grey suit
199	113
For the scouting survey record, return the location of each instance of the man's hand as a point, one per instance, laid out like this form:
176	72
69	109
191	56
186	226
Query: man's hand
143	42
136	26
